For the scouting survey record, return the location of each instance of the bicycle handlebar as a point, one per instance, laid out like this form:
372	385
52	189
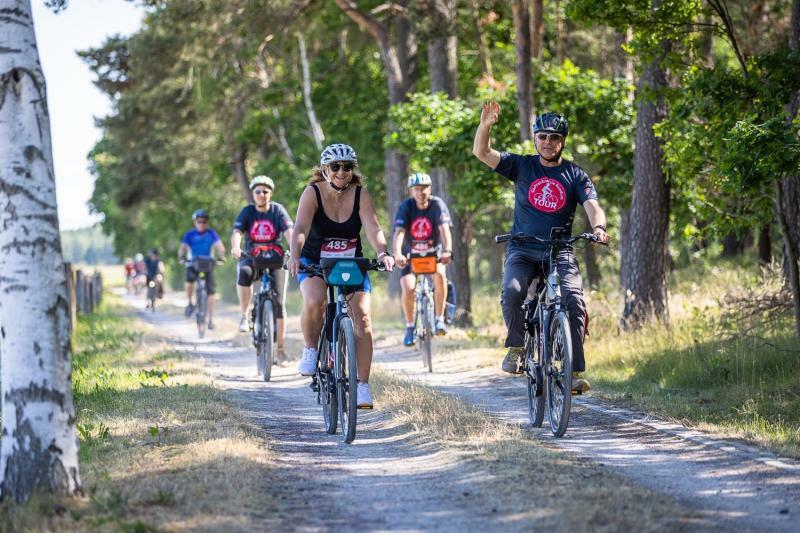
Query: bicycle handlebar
316	270
524	237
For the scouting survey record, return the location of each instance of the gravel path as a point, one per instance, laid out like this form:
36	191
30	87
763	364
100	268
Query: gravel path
734	485
388	479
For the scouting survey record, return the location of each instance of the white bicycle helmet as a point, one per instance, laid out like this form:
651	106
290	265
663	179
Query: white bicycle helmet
337	152
419	178
262	180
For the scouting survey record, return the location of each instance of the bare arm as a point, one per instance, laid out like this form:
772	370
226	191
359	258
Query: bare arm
375	235
597	217
302	224
481	147
220	248
236	243
397	246
183	251
447	243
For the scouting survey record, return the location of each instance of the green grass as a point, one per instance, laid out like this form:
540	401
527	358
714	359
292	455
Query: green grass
153	430
715	366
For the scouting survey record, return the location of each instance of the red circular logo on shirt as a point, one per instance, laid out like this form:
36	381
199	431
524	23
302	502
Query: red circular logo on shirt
421	228
262	231
547	194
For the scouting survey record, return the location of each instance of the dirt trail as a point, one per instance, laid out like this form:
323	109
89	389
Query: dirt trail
389	479
385	480
732	484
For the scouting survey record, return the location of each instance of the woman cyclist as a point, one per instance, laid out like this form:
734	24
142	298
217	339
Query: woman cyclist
332	210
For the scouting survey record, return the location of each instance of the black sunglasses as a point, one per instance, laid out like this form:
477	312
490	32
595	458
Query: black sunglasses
260	191
347	167
552	137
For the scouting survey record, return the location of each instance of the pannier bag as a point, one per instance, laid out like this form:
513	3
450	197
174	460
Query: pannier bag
268	256
423	263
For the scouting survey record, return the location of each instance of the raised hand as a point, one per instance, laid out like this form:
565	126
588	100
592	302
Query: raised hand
490	113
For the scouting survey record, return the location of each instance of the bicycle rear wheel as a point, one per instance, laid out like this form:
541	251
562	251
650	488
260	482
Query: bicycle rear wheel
327	387
347	378
559	374
427	353
151	297
267	338
534	381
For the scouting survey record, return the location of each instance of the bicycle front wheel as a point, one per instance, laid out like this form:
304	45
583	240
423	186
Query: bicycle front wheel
200	311
267	336
559	374
258	326
427	334
347	378
535	381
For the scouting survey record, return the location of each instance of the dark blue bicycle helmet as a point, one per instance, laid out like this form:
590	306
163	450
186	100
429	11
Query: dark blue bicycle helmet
200	213
551	122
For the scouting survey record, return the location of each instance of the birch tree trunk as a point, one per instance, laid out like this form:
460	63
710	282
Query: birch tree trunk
316	129
39	448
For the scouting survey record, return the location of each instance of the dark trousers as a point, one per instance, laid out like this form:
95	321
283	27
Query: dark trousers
520	269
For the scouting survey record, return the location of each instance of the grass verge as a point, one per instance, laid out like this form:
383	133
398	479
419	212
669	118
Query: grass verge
161	448
522	479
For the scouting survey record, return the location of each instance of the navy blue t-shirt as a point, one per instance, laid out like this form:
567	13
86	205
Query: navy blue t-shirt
262	227
421	225
151	267
544	197
200	243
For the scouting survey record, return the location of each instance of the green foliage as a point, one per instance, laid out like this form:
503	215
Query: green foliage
728	139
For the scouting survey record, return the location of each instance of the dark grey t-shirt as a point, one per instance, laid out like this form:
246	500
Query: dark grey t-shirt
262	227
422	225
544	197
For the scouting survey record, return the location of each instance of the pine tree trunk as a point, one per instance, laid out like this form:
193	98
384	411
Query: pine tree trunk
523	67
39	448
537	28
442	63
765	245
645	259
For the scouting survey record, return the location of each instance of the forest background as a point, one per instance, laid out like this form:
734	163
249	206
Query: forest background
684	113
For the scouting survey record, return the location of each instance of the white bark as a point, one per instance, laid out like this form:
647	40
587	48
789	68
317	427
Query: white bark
316	129
39	448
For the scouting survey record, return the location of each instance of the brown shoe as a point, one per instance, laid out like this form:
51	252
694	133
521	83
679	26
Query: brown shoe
512	363
579	383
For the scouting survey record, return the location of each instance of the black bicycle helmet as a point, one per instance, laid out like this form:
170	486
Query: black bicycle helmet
200	213
551	122
154	251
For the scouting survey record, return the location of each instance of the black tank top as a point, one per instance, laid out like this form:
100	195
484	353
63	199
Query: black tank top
328	238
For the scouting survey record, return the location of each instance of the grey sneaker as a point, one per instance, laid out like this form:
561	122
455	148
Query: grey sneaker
244	324
189	311
440	327
579	383
211	325
513	360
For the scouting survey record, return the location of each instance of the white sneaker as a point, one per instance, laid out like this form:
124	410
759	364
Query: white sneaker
308	363
364	396
244	325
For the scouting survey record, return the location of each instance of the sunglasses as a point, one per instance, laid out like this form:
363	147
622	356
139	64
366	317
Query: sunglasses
202	221
347	167
552	137
260	191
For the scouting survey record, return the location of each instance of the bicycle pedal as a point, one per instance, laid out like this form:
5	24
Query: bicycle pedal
577	393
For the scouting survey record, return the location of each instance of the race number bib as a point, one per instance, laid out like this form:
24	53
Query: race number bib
339	248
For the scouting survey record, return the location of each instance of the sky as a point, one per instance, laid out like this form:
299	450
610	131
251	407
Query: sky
72	99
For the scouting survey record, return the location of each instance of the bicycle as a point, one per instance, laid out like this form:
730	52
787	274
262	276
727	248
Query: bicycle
423	265
203	266
152	294
336	378
263	312
548	358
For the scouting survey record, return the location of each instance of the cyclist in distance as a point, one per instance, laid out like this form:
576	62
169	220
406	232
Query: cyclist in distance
331	212
139	272
201	241
421	225
130	274
547	190
154	270
261	225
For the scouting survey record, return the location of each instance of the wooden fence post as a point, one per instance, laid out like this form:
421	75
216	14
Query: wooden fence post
73	310
80	291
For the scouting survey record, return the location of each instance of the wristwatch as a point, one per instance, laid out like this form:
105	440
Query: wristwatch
447	252
601	226
383	254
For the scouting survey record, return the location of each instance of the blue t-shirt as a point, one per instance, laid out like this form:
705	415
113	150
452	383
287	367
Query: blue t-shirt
544	197
262	227
200	244
421	225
